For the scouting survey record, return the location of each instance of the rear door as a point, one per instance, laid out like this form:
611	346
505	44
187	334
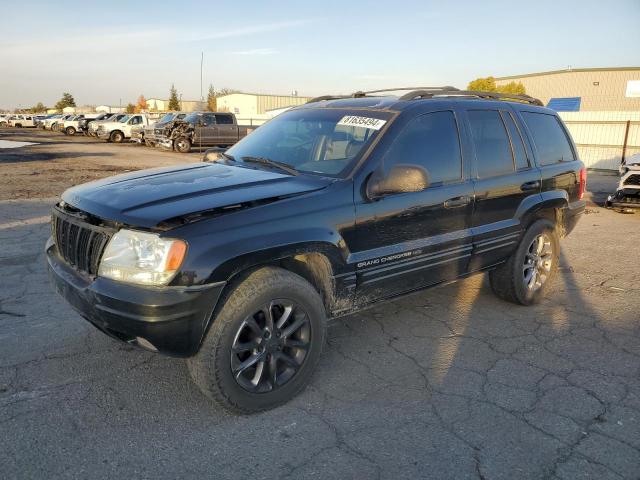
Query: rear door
227	130
206	130
505	178
411	240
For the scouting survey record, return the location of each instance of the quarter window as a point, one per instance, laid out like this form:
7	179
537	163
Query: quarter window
549	138
493	150
430	141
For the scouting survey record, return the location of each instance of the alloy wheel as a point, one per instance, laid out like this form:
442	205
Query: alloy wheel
270	346
537	262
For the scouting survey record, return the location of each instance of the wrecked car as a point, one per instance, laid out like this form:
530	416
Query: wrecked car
117	131
627	196
201	129
237	262
148	134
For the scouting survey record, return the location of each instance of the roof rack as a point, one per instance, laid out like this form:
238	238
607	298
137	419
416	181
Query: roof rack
416	94
361	94
430	92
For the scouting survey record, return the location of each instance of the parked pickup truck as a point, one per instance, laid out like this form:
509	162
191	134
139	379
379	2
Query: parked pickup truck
329	208
120	130
206	129
22	121
74	124
110	117
148	135
83	125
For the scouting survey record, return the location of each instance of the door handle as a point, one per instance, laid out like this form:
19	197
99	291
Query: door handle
457	202
535	185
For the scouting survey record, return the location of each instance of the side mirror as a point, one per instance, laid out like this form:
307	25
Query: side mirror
400	179
214	155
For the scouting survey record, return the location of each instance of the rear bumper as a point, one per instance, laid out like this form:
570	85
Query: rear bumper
571	214
170	320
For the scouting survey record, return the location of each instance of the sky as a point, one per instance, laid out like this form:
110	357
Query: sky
110	52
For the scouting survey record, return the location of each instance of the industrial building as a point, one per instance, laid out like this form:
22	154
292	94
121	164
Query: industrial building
161	105
583	89
256	105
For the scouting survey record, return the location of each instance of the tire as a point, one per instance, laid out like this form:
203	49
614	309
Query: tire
528	274
70	131
116	136
182	145
267	289
18	125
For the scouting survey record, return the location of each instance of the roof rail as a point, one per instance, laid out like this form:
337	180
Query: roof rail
471	93
361	94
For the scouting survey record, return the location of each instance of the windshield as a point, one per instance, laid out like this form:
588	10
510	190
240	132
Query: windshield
192	118
322	141
125	119
167	117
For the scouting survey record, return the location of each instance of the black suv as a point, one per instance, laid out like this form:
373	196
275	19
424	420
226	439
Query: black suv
331	207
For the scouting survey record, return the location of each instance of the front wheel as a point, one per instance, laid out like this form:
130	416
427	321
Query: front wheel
70	131
116	137
264	343
182	145
528	274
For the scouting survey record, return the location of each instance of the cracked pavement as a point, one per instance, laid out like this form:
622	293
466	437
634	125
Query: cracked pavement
450	383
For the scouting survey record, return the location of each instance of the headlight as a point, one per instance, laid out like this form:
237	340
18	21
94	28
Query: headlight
143	258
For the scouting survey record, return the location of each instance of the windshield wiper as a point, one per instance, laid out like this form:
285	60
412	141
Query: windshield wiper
285	167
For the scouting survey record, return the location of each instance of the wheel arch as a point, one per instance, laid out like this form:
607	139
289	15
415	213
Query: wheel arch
548	205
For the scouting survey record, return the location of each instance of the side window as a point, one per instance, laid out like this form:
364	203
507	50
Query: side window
208	120
549	138
519	151
493	150
224	120
137	120
430	141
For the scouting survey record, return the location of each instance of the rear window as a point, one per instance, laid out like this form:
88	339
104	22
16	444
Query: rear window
549	138
493	150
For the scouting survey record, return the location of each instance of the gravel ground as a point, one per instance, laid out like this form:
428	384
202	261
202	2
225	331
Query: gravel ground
451	383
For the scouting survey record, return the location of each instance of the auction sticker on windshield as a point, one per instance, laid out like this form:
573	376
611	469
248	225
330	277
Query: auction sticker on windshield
366	122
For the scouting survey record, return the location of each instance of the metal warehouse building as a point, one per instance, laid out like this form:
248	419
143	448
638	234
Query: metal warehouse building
584	89
257	104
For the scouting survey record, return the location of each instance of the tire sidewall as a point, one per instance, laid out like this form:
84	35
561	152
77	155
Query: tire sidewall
184	149
525	296
116	137
70	131
223	331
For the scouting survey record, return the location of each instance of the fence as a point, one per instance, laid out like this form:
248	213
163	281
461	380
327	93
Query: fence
604	138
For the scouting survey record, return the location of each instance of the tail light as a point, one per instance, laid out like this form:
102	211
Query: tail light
583	183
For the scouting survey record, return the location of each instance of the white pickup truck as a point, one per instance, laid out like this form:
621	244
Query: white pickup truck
120	130
22	121
73	125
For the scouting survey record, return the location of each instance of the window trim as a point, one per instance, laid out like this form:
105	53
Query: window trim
462	178
473	144
524	147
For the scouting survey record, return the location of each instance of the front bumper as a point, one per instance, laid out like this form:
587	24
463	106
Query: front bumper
169	320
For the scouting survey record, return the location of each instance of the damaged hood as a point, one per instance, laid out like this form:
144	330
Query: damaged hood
148	197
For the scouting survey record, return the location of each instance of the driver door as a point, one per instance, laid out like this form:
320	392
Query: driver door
408	241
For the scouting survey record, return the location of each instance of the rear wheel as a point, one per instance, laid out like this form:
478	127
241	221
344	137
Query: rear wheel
182	145
264	343
528	274
116	136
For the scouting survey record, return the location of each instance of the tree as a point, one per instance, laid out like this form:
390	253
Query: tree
39	108
226	91
142	104
67	100
212	103
174	103
131	108
488	84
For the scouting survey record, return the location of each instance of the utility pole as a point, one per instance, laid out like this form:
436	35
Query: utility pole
201	63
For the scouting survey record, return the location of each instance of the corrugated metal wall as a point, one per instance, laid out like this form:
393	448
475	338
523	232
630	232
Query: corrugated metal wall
271	102
600	136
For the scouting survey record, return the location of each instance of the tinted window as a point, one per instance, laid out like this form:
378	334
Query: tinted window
224	119
208	120
551	142
430	141
493	150
516	141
